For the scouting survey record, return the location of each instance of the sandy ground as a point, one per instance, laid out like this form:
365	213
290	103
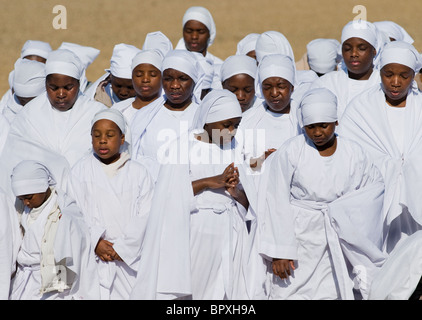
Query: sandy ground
103	23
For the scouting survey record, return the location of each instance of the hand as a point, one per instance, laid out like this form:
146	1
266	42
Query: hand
268	152
281	267
104	250
228	179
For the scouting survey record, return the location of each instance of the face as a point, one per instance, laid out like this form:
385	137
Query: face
222	132
62	91
122	88
277	92
178	87
358	56
321	134
396	80
106	140
243	86
196	36
35	200
36	58
23	101
146	81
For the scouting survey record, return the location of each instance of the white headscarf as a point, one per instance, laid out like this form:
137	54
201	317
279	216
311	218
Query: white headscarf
157	41
186	62
208	70
323	55
87	55
151	56
218	105
403	53
247	44
202	15
273	42
393	30
121	60
113	115
238	64
318	105
28	78
35	47
274	65
30	177
63	61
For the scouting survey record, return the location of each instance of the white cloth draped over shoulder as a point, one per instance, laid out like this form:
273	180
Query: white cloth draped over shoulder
366	122
323	212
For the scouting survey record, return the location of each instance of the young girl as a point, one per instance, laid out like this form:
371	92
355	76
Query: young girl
319	214
386	120
55	260
114	194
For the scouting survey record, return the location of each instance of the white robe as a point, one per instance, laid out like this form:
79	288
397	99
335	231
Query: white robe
324	213
345	88
366	122
4	131
55	260
116	209
11	108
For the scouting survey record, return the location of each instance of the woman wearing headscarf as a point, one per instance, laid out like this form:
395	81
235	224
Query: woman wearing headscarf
114	194
201	229
360	49
246	46
386	121
319	210
55	126
393	31
55	259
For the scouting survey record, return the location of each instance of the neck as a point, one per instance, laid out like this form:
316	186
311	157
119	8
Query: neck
177	107
401	103
329	148
362	76
142	102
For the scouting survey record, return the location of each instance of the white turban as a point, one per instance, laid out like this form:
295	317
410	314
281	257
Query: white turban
393	30
113	115
238	64
63	61
208	70
323	55
121	60
157	41
152	56
247	44
30	177
28	78
318	105
37	48
403	53
273	42
87	55
218	105
202	15
360	29
188	63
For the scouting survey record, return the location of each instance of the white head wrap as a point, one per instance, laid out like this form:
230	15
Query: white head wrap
273	42
247	44
188	63
63	61
393	30
360	29
121	60
323	55
37	48
238	64
30	177
218	105
87	55
157	41
202	15
208	70
113	115
151	56
403	53
318	105
274	65
28	78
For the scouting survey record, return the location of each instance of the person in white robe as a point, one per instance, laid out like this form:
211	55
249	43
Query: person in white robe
4	131
55	259
238	75
357	70
246	46
205	236
28	83
115	84
386	120
55	126
192	40
114	194
320	213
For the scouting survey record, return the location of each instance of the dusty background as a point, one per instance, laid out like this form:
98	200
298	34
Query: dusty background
103	23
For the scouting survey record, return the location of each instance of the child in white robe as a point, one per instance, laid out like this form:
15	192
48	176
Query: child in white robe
387	120
320	216
55	260
114	194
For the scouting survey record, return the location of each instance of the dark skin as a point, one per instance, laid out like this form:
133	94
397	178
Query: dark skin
243	86
35	200
358	55
62	91
196	36
23	101
178	87
122	88
397	80
146	80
